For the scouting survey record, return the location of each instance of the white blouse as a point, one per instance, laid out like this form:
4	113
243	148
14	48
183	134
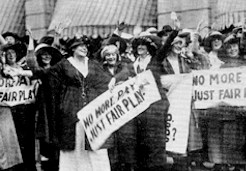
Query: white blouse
81	67
215	62
175	64
142	63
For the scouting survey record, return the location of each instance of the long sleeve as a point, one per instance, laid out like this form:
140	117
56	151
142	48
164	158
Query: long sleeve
31	60
52	97
164	49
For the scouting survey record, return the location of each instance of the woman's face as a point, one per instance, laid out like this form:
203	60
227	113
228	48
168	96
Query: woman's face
10	40
142	50
81	50
177	47
11	57
46	58
111	58
232	50
216	44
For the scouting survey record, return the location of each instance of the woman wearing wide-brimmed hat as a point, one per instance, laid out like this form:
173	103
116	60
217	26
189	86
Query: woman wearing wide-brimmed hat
213	45
11	155
69	83
145	148
11	38
67	92
226	128
23	115
233	56
47	55
12	55
171	59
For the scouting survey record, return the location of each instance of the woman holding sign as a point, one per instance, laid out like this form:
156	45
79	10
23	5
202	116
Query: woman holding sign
226	128
23	114
172	60
145	147
10	152
110	72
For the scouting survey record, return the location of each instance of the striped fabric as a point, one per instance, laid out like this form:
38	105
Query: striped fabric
12	16
231	12
101	16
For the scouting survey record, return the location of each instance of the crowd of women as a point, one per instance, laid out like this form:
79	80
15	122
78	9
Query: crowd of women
74	71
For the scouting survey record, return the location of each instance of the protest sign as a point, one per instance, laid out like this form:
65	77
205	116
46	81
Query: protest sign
219	87
178	117
111	110
205	89
20	90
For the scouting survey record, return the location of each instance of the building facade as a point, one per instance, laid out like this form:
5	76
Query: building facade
101	16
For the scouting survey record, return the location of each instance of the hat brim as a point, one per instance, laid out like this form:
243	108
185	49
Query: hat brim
55	53
15	36
20	49
75	44
232	41
183	34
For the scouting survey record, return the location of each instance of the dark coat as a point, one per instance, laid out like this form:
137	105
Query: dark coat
167	68
66	86
99	84
102	76
142	140
162	66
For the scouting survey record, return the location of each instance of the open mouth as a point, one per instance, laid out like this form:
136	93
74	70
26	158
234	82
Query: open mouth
46	60
84	52
110	60
234	53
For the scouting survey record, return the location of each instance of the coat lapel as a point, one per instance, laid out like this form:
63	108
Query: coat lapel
168	69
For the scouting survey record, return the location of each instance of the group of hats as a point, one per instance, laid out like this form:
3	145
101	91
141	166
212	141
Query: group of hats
230	38
19	47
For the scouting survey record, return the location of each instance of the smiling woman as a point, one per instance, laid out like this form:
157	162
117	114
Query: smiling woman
47	55
233	57
214	47
12	55
68	91
23	114
110	57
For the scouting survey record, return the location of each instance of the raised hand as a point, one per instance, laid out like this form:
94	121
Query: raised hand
176	21
29	31
62	25
199	28
121	26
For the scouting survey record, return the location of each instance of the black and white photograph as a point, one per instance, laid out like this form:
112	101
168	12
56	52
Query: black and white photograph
123	85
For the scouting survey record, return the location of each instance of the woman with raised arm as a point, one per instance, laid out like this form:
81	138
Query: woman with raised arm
68	93
226	124
10	153
142	140
23	114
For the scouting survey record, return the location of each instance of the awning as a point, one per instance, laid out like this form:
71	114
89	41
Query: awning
231	12
12	16
101	16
